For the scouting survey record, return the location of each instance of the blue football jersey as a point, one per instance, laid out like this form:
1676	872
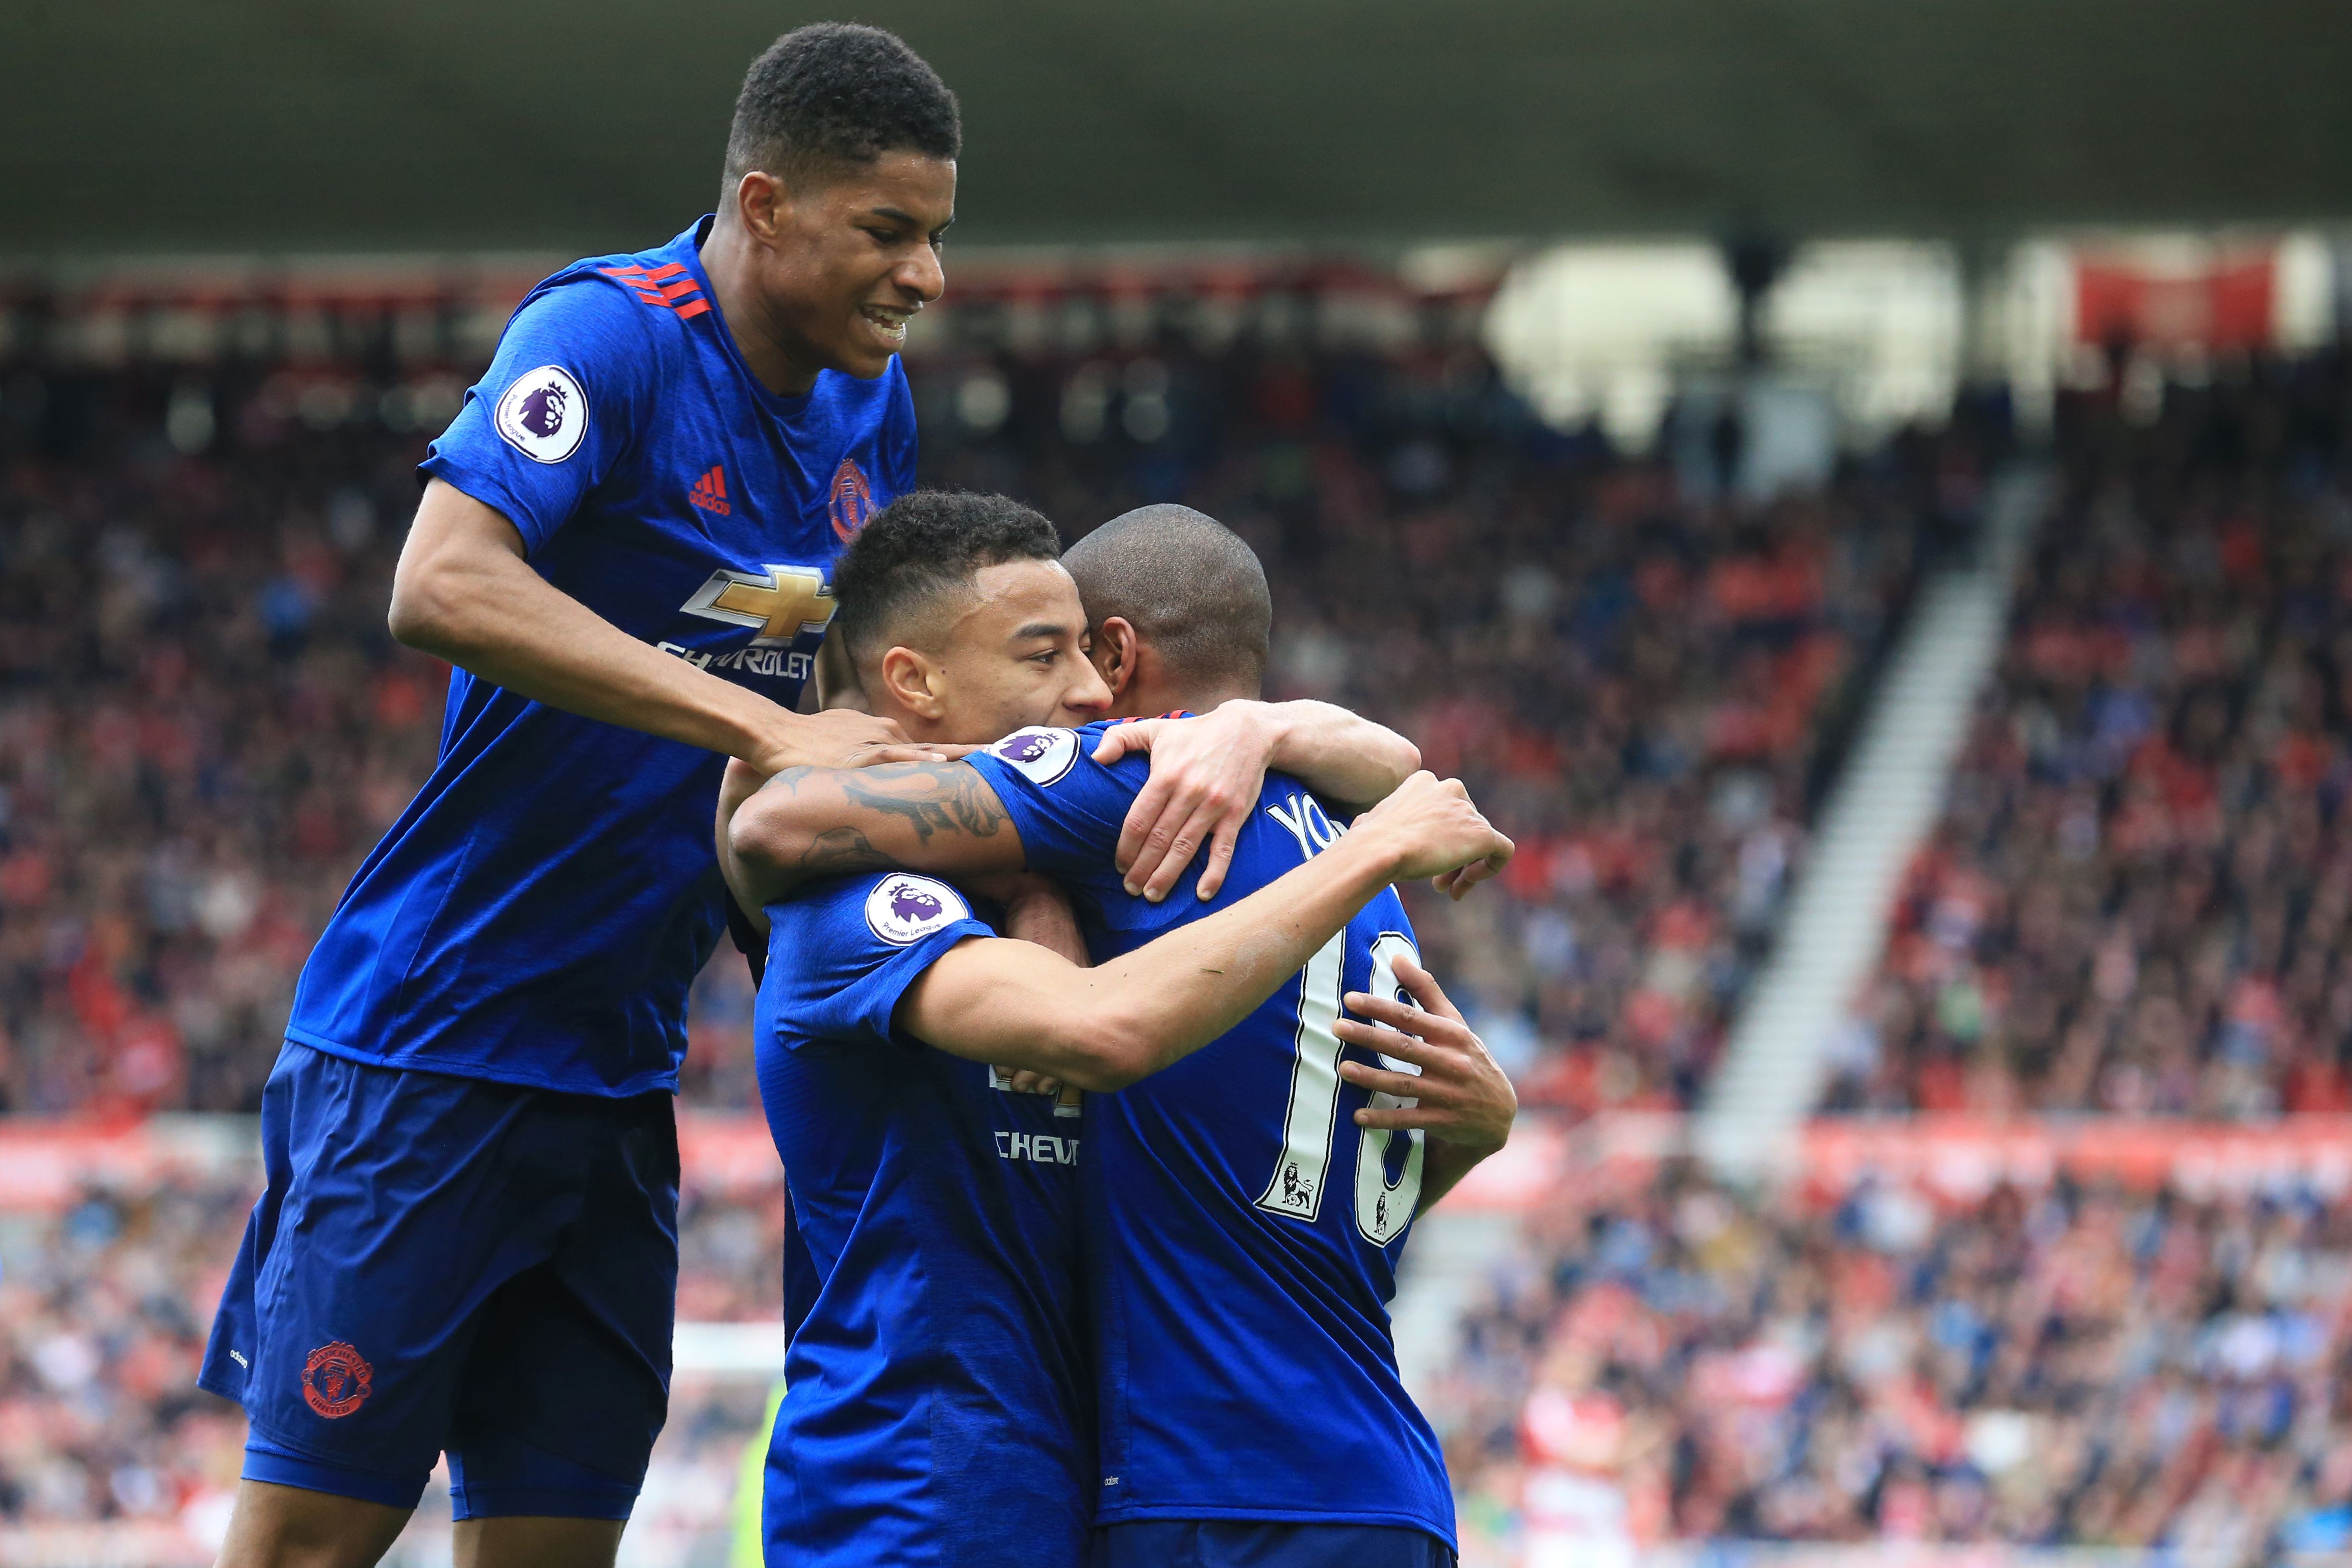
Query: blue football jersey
537	914
1242	1232
937	1404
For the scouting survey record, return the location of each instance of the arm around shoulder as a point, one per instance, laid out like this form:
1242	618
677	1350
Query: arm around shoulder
1341	754
808	823
1102	1028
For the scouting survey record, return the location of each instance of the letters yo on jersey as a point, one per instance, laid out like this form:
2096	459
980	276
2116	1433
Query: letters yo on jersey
654	480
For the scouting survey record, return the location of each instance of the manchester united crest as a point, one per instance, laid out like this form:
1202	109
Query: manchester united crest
336	1380
851	501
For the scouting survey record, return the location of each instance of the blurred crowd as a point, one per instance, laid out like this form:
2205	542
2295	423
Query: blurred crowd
105	1309
2139	898
1667	1359
203	725
105	1306
2063	1367
1639	670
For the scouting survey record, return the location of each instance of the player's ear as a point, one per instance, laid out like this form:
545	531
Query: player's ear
913	682
760	203
1114	653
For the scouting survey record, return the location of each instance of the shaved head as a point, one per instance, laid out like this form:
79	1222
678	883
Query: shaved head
1189	587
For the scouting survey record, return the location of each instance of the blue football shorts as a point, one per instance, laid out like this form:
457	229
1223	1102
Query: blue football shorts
443	1264
1253	1544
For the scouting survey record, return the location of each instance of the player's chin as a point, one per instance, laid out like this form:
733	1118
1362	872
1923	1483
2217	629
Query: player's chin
866	348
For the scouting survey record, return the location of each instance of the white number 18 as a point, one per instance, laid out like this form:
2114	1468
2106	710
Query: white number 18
1382	1209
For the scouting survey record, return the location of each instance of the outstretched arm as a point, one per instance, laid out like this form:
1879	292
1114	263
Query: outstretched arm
810	822
464	592
1206	773
1018	1005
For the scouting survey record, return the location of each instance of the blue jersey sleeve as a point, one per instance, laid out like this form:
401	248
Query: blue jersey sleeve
1067	807
843	953
565	398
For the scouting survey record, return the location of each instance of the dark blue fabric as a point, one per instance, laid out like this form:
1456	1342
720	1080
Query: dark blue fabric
1238	1278
1225	1544
537	914
937	1403
281	1467
498	1476
439	1262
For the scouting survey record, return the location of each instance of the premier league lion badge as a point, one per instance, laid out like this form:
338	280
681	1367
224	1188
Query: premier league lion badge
906	908
1040	755
543	415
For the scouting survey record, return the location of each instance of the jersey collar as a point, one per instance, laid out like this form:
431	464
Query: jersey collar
688	248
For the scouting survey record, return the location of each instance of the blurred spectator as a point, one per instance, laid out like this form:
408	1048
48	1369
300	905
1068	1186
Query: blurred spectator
1637	677
2140	896
203	725
2064	1368
106	1307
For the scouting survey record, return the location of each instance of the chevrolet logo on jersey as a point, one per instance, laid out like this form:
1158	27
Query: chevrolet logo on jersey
781	601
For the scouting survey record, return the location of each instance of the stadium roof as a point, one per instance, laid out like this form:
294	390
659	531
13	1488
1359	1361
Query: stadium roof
157	125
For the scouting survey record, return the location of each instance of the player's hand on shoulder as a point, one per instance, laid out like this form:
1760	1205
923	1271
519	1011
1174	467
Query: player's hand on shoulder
1461	1094
1434	829
839	738
1206	773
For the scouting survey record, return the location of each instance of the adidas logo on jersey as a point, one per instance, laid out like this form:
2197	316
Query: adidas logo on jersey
709	491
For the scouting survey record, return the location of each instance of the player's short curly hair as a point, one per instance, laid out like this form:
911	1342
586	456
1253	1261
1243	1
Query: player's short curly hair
836	95
1189	587
924	549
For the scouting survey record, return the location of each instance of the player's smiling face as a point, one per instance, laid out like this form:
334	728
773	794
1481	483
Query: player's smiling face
1015	655
857	257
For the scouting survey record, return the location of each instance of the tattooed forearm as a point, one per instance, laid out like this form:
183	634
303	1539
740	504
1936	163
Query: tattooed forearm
813	823
840	852
932	797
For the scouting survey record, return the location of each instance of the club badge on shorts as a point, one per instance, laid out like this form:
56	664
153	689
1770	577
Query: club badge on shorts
336	1380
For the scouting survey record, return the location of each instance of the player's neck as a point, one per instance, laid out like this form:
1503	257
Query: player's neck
1150	700
730	259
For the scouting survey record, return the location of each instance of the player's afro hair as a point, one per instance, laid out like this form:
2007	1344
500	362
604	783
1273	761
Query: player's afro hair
921	549
833	95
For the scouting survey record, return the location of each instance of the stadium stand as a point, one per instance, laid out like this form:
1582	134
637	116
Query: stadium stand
107	1302
2082	1364
1635	671
2134	907
107	1297
203	725
2138	898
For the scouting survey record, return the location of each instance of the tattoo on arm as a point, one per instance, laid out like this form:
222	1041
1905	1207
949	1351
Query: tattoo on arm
840	852
927	799
932	797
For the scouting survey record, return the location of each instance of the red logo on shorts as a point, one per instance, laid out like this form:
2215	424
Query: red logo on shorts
851	501
336	1380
